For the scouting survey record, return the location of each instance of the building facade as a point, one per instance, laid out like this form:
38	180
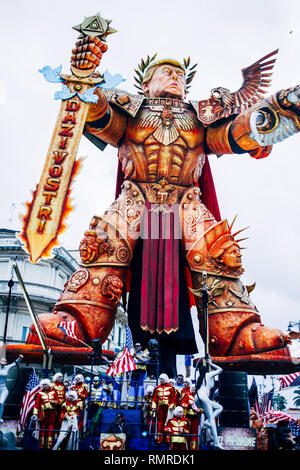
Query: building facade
44	282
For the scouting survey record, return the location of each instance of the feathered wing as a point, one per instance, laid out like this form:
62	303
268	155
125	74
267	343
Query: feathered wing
146	118
256	78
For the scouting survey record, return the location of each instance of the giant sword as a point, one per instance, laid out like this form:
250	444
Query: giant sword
50	204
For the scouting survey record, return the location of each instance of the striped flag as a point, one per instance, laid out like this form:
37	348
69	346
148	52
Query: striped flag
266	402
68	327
128	340
31	389
289	380
274	416
124	363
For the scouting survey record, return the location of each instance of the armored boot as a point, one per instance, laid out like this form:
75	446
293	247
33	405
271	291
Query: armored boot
235	328
92	294
91	298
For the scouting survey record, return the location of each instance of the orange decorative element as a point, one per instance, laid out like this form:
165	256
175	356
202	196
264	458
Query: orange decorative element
217	251
92	246
112	442
261	152
112	286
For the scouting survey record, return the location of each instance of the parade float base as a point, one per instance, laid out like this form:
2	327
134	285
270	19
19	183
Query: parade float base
34	354
258	364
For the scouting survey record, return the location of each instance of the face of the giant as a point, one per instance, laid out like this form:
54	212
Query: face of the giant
167	81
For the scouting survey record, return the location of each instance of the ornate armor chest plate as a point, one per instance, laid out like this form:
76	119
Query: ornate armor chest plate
163	141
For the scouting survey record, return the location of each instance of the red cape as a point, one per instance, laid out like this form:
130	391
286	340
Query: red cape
209	198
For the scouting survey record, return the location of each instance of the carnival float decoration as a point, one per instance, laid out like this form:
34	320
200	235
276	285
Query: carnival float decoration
165	197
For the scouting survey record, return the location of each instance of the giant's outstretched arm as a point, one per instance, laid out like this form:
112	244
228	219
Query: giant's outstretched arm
104	121
259	127
277	118
269	121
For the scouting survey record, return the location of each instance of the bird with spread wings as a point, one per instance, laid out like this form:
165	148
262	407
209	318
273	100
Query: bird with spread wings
222	103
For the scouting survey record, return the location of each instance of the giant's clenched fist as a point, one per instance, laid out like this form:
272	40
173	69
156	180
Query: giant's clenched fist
88	53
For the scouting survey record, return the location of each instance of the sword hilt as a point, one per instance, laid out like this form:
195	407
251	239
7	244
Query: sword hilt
90	47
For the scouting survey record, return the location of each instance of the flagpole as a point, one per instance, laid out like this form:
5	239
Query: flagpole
34	316
205	299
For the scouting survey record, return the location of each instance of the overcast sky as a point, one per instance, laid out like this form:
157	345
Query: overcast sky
222	37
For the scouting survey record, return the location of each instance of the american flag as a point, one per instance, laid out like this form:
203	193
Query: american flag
68	327
274	416
31	389
253	397
128	340
122	364
266	402
289	380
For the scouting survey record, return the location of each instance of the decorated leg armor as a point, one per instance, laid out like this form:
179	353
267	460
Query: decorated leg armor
235	327
92	294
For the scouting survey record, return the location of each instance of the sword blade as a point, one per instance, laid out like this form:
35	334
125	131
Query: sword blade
48	209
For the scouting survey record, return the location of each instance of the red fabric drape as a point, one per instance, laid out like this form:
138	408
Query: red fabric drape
159	285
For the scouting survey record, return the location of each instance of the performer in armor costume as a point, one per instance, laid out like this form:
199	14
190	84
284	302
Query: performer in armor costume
166	216
137	377
58	386
44	412
82	390
70	411
192	413
177	428
163	401
185	390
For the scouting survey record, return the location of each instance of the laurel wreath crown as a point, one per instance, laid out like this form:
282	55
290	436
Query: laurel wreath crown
144	64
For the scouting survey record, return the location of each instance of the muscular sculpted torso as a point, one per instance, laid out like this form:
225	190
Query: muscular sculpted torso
163	142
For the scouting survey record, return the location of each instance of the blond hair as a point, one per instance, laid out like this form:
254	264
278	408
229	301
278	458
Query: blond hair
151	69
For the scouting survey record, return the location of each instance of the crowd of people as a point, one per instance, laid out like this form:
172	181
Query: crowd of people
174	411
64	413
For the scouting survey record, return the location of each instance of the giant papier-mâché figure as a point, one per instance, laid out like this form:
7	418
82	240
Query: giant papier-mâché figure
164	226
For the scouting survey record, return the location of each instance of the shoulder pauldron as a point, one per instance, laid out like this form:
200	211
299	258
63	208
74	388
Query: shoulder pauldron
124	100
